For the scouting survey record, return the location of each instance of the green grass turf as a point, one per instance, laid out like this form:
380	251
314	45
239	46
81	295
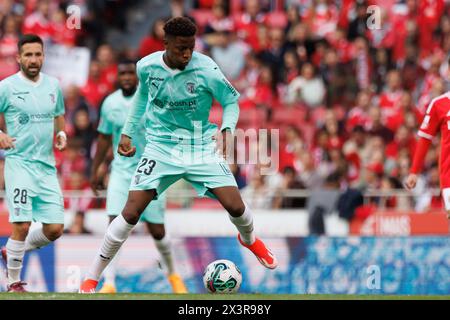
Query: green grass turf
154	296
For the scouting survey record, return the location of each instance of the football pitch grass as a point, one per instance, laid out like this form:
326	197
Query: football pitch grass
154	296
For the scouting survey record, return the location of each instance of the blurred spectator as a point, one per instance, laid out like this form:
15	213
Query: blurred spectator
376	125
85	131
309	175
359	114
73	101
220	20
289	182
322	18
337	78
95	88
229	53
264	94
108	66
257	193
358	26
306	89
273	54
291	67
427	201
79	205
9	36
247	24
323	201
154	41
39	22
393	202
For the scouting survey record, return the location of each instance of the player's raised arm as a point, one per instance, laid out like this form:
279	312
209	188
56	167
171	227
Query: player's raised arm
430	124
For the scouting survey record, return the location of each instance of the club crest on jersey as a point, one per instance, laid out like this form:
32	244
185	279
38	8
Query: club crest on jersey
52	97
190	87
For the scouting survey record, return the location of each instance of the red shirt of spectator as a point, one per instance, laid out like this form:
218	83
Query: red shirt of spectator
61	34
247	24
430	13
39	22
154	41
8	51
96	87
322	19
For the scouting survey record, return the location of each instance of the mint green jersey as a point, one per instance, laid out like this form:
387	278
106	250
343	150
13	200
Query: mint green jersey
30	109
113	114
176	103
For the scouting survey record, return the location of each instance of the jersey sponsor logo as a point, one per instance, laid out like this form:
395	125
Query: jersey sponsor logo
20	93
176	105
190	87
229	86
24	118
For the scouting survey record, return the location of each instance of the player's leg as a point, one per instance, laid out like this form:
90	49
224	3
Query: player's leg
109	275
116	234
116	199
242	217
48	208
41	237
211	175
13	254
154	218
19	193
154	174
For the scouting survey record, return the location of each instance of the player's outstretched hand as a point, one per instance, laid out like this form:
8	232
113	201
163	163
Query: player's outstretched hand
125	148
411	181
6	142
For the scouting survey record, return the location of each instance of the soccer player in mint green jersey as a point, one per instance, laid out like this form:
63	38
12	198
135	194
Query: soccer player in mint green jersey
33	107
113	114
175	94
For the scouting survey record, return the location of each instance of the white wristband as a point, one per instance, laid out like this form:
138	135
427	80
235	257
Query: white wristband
62	134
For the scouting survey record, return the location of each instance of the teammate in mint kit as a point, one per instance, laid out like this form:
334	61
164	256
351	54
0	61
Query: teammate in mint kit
33	107
176	90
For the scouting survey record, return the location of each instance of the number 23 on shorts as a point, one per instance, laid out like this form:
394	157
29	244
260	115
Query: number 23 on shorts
146	166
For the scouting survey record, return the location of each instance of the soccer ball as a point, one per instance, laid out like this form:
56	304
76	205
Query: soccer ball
222	276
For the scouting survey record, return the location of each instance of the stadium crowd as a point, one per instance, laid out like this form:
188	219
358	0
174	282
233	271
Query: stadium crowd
346	91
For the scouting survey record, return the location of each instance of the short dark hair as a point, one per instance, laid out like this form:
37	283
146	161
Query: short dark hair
29	38
180	26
